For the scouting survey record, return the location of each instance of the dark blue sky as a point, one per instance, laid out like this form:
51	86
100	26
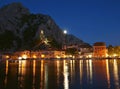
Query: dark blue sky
90	20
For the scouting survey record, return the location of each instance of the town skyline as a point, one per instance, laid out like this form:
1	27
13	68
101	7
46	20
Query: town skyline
91	21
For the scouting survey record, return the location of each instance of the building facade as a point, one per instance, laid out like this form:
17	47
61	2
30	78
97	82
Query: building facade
99	50
38	54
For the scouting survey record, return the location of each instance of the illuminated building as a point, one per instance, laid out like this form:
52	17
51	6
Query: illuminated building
23	54
99	49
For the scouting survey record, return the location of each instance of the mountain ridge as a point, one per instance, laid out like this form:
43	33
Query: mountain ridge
23	29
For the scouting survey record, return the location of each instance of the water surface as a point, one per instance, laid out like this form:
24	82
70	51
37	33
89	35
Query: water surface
60	74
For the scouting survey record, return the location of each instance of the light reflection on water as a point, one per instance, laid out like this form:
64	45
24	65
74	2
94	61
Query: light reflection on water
42	74
116	77
107	72
90	71
60	74
81	71
65	73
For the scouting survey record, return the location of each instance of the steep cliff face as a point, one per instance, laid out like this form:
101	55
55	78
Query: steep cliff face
19	29
10	16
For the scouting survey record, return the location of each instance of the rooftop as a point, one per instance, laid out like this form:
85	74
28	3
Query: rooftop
99	44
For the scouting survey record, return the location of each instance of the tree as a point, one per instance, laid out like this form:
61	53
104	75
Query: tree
110	50
117	50
6	40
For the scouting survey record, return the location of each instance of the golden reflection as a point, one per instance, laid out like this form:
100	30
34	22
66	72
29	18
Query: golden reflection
34	65
21	71
81	70
58	70
108	75
71	70
6	67
42	67
87	65
23	63
91	71
6	72
46	76
73	67
42	75
65	71
19	67
116	77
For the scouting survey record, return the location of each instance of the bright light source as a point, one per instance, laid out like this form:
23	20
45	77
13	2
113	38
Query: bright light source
34	56
42	32
65	31
70	55
90	56
7	56
24	56
107	55
19	58
58	57
42	55
114	55
65	56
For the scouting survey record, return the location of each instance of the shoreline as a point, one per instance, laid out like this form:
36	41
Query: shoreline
1	60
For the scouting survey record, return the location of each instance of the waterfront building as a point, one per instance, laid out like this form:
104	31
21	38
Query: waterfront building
99	50
38	54
84	50
24	54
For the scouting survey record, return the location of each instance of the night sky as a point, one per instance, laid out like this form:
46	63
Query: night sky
90	20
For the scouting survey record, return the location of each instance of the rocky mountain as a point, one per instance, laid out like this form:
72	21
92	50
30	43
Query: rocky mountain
21	30
71	39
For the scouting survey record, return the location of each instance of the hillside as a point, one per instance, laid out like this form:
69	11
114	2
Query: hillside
21	30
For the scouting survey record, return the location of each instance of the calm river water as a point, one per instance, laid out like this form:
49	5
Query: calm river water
60	74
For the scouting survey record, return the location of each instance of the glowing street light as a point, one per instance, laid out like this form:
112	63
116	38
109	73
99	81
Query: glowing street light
114	55
34	56
7	57
24	56
42	55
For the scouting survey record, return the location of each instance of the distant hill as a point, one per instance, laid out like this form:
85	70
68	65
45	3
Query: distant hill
21	30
